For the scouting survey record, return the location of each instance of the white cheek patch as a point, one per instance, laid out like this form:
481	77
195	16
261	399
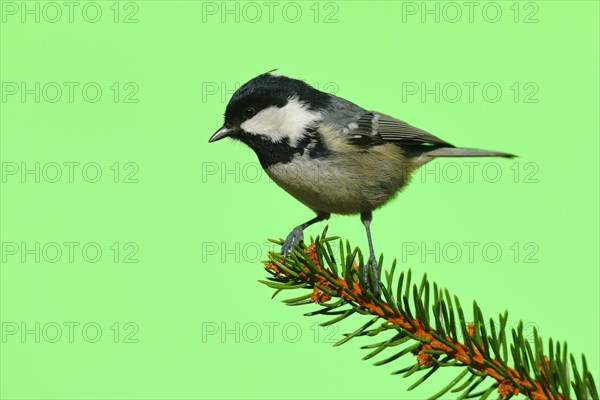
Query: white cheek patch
277	124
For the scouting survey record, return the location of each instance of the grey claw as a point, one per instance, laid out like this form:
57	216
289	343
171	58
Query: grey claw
295	236
372	264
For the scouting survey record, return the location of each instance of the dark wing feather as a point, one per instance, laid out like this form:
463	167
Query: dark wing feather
394	130
376	128
366	133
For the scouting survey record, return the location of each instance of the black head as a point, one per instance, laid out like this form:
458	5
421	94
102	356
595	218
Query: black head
281	98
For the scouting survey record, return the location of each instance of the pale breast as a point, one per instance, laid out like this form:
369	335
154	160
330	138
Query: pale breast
348	182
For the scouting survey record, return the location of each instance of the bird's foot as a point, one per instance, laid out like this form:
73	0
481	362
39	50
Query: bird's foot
372	265
295	236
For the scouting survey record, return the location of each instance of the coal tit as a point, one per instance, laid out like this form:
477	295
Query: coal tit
332	155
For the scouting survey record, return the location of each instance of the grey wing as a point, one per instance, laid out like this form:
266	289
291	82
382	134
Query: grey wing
373	128
376	128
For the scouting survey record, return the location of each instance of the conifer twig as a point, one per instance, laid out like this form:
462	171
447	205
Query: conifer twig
430	324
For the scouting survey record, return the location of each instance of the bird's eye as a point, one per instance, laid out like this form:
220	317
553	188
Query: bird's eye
248	113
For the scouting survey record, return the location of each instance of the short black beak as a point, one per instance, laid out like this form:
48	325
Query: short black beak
220	134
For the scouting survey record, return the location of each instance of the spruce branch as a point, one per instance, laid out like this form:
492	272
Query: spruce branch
429	324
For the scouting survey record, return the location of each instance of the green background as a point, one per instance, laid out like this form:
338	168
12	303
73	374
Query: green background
195	204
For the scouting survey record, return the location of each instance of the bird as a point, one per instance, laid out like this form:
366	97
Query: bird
329	153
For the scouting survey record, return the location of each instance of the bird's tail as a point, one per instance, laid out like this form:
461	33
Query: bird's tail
460	152
466	152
